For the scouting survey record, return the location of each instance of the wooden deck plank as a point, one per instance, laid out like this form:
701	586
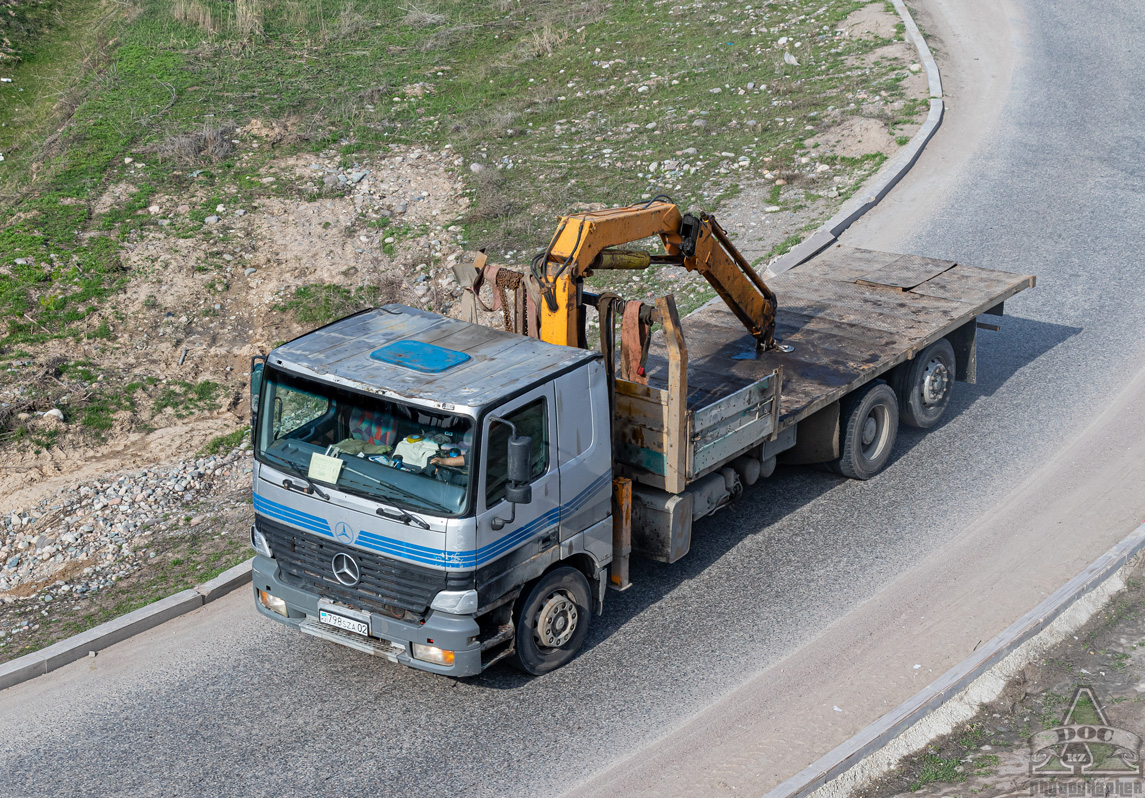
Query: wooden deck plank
844	264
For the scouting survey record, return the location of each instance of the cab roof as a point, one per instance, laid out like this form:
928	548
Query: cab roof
399	351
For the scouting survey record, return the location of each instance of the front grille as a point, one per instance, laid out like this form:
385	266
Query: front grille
304	562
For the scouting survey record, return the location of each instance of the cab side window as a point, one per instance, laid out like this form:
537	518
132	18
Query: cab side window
531	420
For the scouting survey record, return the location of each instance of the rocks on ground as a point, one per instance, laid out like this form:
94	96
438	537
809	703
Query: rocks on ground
88	536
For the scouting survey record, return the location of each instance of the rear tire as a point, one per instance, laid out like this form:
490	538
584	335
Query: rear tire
552	621
924	385
869	425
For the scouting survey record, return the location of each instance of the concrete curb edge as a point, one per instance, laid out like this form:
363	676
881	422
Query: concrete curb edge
887	177
959	679
118	629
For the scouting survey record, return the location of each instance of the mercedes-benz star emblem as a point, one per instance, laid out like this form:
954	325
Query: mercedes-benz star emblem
344	533
345	569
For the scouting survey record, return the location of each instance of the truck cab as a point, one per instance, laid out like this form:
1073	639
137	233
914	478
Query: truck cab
431	491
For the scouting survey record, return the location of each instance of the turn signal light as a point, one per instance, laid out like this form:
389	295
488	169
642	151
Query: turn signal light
438	656
272	603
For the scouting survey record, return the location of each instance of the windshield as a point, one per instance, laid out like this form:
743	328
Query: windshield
395	453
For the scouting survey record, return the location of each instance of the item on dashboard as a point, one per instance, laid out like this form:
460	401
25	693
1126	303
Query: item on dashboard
415	451
355	446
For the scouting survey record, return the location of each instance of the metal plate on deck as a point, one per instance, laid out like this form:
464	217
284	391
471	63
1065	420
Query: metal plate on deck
906	272
845	264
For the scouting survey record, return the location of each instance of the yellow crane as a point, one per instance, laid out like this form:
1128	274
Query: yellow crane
586	242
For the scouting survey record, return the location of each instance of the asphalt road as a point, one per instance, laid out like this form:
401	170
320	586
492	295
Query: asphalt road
1047	177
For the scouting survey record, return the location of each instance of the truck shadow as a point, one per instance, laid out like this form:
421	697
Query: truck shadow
788	491
1000	354
1020	343
762	505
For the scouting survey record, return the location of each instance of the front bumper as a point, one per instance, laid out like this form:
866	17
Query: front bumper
389	638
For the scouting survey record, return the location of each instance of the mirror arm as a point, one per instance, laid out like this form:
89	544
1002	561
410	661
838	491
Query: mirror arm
499	523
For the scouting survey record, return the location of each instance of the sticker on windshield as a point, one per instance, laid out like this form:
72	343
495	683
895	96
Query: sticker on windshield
324	468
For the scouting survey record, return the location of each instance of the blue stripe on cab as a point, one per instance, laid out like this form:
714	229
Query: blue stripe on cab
431	556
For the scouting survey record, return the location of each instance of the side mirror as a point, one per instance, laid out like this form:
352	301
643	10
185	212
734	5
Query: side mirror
519	494
520	458
519	461
257	363
520	469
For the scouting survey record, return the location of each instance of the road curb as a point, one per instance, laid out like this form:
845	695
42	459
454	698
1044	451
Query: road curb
116	630
887	177
871	752
224	583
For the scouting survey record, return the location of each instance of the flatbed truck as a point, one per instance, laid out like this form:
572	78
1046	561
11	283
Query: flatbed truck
447	495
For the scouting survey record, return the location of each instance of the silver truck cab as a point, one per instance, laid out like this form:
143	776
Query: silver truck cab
387	514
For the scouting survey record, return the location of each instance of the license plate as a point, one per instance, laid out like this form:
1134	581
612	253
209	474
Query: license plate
342	622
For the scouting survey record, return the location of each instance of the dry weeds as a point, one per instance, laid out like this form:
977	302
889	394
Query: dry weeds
211	143
545	41
421	17
447	37
248	19
351	22
297	14
191	12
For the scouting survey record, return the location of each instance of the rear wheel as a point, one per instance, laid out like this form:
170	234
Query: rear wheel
552	621
869	424
925	384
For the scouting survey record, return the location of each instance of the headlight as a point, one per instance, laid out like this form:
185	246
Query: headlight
458	602
259	544
272	603
438	656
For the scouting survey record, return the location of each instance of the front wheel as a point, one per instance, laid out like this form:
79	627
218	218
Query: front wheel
869	424
552	621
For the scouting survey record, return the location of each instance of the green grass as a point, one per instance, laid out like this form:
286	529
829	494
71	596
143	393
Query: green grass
186	398
984	764
934	769
555	99
321	304
222	444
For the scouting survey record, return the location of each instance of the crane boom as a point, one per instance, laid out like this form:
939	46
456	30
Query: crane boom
584	242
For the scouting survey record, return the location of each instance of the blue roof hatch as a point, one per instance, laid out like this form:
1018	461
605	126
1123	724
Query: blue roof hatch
419	356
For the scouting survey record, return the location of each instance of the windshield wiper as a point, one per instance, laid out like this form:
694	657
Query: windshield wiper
289	485
402	491
403	516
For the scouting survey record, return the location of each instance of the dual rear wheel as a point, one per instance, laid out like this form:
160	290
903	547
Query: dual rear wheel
918	395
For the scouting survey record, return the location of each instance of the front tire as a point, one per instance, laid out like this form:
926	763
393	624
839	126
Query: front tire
552	621
869	425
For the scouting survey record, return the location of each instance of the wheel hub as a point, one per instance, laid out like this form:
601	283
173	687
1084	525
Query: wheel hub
557	620
934	382
870	429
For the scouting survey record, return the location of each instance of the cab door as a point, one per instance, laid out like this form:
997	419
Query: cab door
534	526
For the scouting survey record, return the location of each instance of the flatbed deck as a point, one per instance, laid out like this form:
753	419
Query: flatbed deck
850	314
